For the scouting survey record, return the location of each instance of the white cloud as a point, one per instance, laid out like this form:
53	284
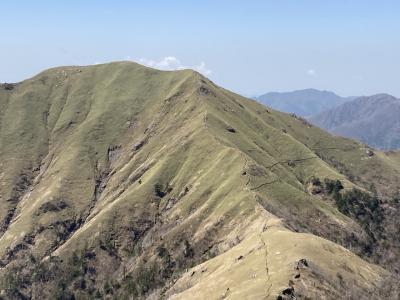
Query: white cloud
311	73
201	68
170	63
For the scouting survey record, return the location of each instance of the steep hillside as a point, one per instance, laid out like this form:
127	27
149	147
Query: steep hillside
373	120
123	182
304	103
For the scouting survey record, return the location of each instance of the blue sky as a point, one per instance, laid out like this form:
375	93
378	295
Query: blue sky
251	47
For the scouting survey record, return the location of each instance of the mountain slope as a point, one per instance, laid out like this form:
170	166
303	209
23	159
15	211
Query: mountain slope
120	181
373	120
304	103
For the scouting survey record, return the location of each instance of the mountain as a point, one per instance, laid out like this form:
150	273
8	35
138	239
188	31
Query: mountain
373	120
118	181
304	103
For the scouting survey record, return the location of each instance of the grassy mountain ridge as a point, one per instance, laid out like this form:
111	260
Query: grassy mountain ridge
131	176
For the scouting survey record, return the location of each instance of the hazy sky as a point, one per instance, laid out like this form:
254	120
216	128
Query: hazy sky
251	47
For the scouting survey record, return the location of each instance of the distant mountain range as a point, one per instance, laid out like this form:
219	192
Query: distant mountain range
304	103
374	120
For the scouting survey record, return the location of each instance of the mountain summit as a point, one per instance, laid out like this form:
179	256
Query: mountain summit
118	181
